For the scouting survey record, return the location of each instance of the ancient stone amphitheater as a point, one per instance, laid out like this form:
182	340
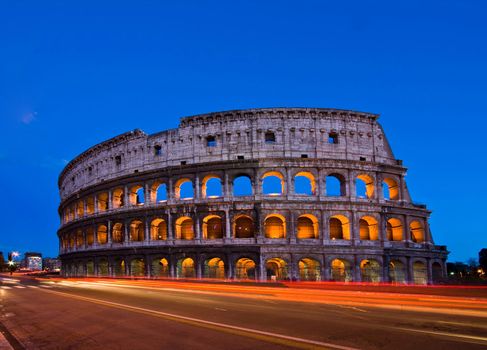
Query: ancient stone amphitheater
268	194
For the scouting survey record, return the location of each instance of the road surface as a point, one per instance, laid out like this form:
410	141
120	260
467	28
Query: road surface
111	314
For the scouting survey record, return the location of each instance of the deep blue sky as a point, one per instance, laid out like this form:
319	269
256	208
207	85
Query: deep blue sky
73	74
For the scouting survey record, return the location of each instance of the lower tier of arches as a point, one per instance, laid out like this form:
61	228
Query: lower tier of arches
262	266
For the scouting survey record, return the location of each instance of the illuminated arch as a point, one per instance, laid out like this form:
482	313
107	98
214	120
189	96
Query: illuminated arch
366	181
370	270
137	195
119	267
102	267
80	208
214	268
186	268
394	230
309	183
243	227
245	269
183	189
275	180
136	231
158	230
160	268
417	231
79	239
275	226
102	199
309	270
158	192
369	228
90	236
90	206
307	227
102	234
341	270
391	189
184	228
117	198
339	227
335	185
118	233
276	269
211	187
212	227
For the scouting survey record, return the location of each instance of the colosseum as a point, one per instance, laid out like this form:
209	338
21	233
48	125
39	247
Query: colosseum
263	194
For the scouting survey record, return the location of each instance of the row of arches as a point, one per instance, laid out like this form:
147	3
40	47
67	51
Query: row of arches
274	269
272	184
243	226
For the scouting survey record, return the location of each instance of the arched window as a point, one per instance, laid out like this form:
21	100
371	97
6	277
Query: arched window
369	229
242	186
136	231
341	270
270	137
101	234
339	227
158	230
370	271
307	227
137	268
158	192
214	268
304	183
420	274
275	226
160	268
80	208
184	189
397	272
245	269
309	270
335	185
90	236
79	239
186	268
137	196
117	198
364	186
243	227
102	199
212	227
276	269
184	228
90	206
211	187
390	189
417	231
394	230
117	233
273	183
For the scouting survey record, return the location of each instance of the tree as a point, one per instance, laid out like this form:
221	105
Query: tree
483	259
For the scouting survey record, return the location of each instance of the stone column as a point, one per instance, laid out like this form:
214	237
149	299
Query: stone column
226	187
95	204
146	230
197	187
321	184
170	234
85	207
110	200
262	270
291	227
351	192
326	270
148	267
197	226
147	199
228	226
126	197
170	190
288	183
429	268
126	228
109	232
95	235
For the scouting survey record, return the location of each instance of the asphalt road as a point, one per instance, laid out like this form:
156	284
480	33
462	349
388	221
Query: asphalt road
59	314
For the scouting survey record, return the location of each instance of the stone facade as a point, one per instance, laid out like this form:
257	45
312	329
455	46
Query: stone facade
116	220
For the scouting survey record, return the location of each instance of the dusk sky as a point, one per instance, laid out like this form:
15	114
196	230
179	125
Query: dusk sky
73	74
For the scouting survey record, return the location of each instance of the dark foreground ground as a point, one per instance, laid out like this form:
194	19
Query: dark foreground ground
96	314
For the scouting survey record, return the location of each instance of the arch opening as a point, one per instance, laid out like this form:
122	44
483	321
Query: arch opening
275	226
137	268
117	198
214	268
243	227
242	186
341	270
369	229
273	183
417	231
211	187
370	271
136	231
339	227
117	233
390	189
307	227
394	230
160	268
158	192
397	272
212	227
309	270
364	186
245	269
102	199
184	228
137	195
158	230
420	274
186	268
276	269
102	234
305	183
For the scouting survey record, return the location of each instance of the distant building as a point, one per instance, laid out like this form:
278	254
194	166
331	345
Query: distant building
33	261
51	264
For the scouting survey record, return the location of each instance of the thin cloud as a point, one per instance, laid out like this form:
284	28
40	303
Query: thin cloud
28	118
